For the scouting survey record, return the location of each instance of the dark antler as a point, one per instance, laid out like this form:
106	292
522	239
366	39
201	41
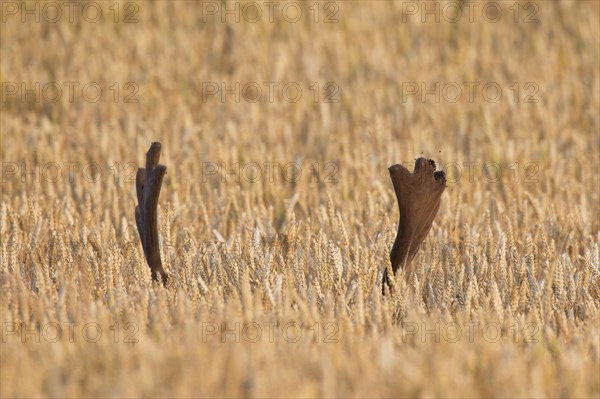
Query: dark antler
418	195
147	183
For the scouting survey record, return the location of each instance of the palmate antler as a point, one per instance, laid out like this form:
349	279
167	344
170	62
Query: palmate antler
148	182
418	196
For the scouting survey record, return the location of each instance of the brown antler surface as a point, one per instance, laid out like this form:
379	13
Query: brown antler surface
148	182
418	196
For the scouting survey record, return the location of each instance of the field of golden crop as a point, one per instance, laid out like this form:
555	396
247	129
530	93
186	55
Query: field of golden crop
277	213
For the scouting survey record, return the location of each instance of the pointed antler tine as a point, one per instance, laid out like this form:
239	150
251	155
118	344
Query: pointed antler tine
148	184
153	156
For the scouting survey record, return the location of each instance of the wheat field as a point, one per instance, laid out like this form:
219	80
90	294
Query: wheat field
277	215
